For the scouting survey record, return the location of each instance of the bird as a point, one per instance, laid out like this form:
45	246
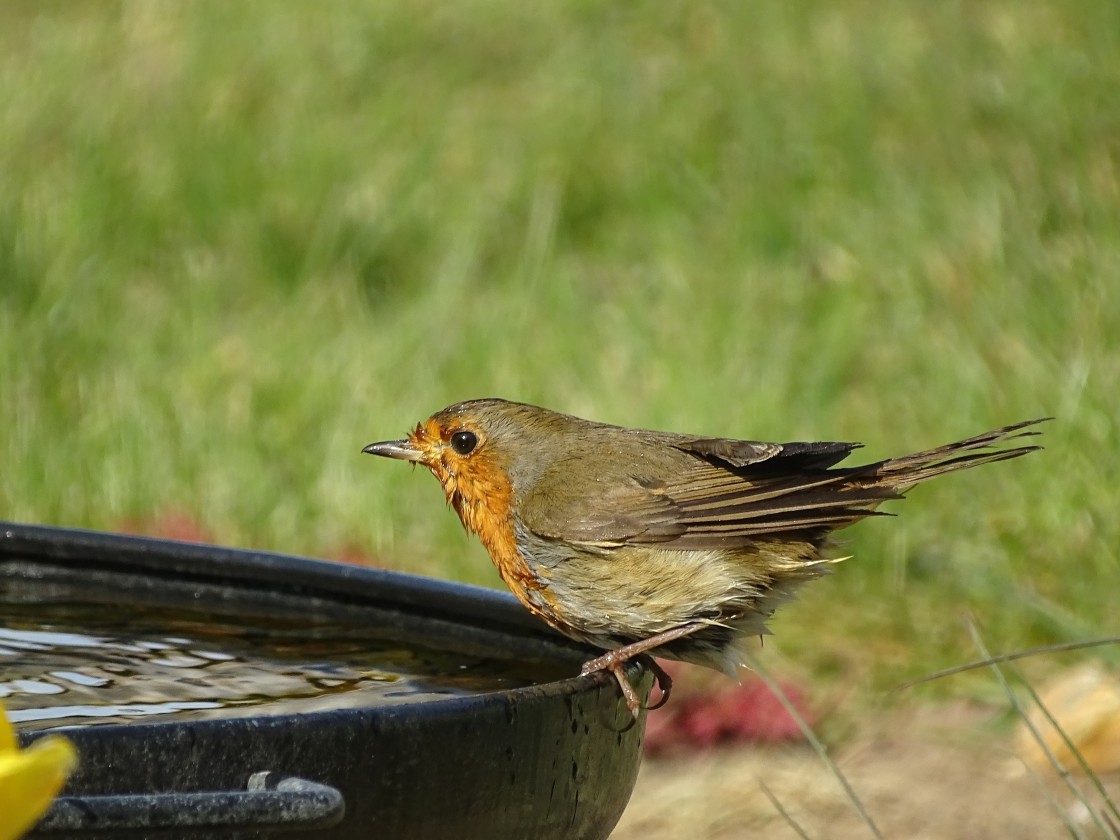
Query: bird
638	542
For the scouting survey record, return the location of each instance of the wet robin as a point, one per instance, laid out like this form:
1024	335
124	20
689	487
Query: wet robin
637	541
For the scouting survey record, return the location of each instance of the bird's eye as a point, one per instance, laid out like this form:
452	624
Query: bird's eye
464	442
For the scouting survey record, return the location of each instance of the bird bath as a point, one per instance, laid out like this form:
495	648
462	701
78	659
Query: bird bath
219	693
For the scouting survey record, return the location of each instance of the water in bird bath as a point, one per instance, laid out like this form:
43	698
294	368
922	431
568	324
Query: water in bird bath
82	661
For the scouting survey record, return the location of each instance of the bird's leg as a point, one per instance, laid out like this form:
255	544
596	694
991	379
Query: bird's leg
614	660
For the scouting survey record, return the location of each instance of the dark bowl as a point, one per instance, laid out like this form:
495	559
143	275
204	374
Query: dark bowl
550	760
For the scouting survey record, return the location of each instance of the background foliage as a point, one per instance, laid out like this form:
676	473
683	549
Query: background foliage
240	240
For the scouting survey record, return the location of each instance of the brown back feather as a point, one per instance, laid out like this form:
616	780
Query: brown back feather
767	498
686	493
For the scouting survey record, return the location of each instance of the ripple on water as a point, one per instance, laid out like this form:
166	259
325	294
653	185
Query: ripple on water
89	663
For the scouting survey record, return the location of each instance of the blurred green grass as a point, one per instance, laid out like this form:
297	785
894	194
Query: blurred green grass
239	241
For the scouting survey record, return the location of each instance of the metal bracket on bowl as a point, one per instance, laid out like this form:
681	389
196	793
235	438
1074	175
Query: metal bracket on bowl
292	804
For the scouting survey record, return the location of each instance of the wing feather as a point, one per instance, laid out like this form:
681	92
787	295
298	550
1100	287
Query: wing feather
725	493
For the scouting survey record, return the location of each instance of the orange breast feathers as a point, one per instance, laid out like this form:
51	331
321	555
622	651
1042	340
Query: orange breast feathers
480	492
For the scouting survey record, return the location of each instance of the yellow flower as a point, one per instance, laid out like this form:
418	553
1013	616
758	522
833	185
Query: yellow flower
30	778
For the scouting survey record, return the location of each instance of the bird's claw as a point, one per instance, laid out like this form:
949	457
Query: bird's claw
664	682
614	661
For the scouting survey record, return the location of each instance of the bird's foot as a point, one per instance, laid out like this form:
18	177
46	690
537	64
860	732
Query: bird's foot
617	667
615	660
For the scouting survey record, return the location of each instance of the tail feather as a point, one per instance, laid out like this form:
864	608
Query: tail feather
902	473
734	508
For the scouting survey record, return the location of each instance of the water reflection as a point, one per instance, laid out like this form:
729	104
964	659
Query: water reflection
90	663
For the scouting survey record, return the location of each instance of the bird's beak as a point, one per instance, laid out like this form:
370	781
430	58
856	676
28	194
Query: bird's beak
402	450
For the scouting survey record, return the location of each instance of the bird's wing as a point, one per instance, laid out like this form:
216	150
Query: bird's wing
722	494
790	456
725	494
